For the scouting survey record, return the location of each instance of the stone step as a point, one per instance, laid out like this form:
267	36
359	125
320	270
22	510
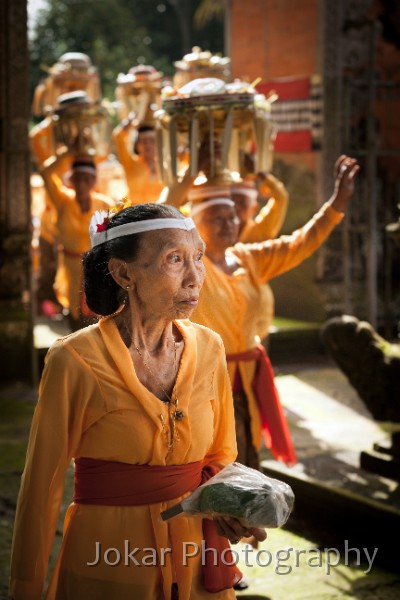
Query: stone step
340	514
284	344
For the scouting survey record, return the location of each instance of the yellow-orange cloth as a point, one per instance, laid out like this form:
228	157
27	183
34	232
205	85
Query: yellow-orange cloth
42	140
42	143
229	304
269	220
48	221
143	185
111	483
92	404
266	226
42	146
73	237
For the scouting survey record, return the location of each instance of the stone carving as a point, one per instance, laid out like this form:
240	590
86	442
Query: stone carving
372	365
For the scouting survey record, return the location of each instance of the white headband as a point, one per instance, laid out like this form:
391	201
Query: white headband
245	191
199	206
84	169
104	235
66	178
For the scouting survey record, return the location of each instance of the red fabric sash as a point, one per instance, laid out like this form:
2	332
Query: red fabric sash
110	483
275	429
220	576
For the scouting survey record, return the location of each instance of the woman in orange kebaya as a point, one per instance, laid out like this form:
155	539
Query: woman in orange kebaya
230	300
142	402
74	207
260	227
140	166
252	228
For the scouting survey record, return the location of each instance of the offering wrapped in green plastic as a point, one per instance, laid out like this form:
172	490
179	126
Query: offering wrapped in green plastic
241	492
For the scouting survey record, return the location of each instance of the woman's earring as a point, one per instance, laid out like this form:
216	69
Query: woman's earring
127	287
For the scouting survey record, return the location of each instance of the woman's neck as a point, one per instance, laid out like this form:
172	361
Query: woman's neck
216	255
219	258
151	163
84	203
150	335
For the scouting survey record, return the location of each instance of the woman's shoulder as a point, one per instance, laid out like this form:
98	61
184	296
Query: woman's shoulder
248	252
202	334
66	194
101	201
77	342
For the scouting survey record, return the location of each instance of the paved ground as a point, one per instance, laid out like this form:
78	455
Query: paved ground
320	554
330	426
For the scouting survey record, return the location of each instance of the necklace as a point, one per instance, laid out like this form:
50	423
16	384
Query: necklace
169	399
174	413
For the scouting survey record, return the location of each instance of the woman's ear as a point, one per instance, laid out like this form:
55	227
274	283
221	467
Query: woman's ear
119	272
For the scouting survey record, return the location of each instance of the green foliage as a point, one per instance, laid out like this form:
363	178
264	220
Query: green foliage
119	34
226	499
207	10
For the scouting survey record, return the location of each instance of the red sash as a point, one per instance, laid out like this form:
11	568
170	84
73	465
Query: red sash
275	429
110	483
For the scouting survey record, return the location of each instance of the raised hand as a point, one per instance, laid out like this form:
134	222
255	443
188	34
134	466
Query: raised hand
346	169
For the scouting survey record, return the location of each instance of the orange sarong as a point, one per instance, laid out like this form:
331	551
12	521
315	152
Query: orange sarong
110	483
275	429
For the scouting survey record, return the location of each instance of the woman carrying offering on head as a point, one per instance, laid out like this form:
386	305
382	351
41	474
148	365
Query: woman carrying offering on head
74	207
230	302
140	165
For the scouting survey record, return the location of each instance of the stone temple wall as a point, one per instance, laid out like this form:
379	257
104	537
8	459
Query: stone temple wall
15	221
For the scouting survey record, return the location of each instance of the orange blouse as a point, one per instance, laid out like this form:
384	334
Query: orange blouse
92	404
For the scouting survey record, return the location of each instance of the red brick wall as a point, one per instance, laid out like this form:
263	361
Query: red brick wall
274	38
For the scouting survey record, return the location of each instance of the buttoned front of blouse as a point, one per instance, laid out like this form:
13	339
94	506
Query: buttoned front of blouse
93	405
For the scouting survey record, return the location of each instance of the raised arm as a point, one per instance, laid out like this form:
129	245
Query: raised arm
177	194
41	138
346	169
51	173
121	137
269	220
274	212
274	257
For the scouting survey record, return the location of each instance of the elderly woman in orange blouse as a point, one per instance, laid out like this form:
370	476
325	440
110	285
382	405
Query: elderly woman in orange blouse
230	300
142	402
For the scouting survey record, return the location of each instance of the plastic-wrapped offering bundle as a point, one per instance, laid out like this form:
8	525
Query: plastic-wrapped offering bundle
241	492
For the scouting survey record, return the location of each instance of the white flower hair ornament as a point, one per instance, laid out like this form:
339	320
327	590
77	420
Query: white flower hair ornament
99	222
101	219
